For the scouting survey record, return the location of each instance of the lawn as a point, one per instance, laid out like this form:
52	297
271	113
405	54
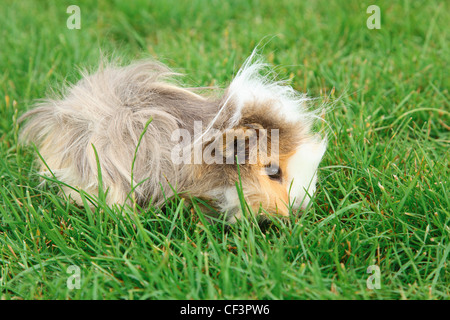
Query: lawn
381	209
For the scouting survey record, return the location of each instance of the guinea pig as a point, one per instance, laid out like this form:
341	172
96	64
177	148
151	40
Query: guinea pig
151	137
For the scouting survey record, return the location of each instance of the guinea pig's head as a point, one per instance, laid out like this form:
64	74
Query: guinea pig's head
261	144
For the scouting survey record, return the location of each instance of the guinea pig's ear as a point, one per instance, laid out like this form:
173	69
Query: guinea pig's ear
238	143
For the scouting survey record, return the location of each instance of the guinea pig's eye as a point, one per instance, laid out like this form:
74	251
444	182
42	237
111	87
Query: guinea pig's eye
274	172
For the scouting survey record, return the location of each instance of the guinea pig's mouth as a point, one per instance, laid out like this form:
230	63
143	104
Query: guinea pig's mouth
215	210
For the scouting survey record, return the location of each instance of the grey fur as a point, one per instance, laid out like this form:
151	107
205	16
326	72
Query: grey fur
109	109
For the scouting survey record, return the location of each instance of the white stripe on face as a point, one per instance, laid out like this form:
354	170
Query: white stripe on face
302	172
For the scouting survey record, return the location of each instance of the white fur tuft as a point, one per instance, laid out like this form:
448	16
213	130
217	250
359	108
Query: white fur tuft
255	83
302	169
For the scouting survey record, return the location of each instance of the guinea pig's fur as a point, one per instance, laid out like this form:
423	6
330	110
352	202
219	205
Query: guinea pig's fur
140	160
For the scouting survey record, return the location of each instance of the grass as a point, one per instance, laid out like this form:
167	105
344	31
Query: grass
382	197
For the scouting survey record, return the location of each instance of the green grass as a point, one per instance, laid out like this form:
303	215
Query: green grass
382	197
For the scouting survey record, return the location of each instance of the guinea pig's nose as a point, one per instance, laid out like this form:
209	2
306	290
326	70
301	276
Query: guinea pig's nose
281	209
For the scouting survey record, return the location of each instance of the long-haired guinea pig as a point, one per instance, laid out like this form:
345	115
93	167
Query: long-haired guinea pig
150	137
